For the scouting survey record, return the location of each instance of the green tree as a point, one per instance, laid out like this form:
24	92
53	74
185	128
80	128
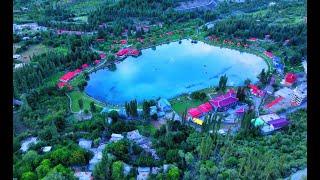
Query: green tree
80	103
173	173
43	169
223	83
117	170
206	147
29	176
92	107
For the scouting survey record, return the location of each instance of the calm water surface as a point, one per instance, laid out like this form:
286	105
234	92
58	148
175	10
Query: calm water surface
172	69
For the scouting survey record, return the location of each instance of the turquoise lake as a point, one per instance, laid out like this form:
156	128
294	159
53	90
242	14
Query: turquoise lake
172	69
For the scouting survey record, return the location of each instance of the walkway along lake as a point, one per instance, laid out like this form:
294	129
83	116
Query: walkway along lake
172	69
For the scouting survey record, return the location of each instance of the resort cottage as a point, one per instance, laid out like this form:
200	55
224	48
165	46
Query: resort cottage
289	79
115	137
143	173
194	113
224	102
164	105
299	94
270	123
255	90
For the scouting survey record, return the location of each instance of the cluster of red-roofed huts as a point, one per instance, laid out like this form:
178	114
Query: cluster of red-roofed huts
226	41
218	104
128	52
63	81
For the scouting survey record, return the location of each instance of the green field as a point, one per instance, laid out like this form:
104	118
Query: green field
184	103
76	95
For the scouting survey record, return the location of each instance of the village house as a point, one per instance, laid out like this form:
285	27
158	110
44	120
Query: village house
16	56
164	105
299	94
269	123
115	137
27	143
46	149
197	121
289	79
194	113
224	102
153	110
81	175
143	173
252	39
255	90
284	92
268	54
127	52
84	143
205	108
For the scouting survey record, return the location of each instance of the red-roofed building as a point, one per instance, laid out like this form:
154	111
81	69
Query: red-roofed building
61	84
97	61
102	56
224	102
123	41
290	78
255	90
77	71
276	101
252	39
194	112
84	66
205	108
269	54
100	40
128	52
122	52
169	33
67	77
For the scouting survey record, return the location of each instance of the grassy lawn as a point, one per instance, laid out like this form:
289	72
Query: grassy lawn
184	103
76	95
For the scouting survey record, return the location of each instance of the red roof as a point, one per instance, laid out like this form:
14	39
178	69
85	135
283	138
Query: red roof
194	112
68	76
97	61
77	71
123	41
122	52
85	66
127	51
169	33
274	102
240	110
269	54
61	84
102	56
290	78
206	107
252	39
255	90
